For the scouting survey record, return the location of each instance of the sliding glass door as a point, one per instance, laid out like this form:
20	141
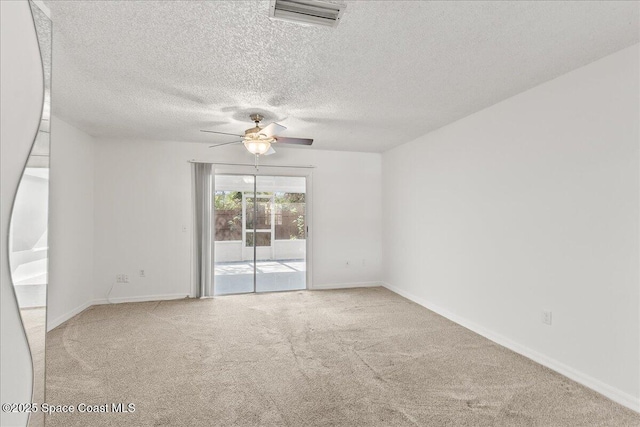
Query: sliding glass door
281	257
260	225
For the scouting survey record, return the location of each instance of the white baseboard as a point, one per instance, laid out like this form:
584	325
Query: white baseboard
142	298
52	324
612	393
346	285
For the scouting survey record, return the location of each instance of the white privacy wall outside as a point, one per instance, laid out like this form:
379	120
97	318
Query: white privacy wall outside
143	202
531	205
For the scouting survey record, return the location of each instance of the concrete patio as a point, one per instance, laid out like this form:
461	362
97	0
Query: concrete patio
271	276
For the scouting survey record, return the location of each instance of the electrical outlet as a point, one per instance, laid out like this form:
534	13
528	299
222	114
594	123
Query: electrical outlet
184	228
118	278
125	278
546	317
142	273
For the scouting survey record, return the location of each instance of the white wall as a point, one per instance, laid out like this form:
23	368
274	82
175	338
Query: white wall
22	91
531	204
71	228
143	199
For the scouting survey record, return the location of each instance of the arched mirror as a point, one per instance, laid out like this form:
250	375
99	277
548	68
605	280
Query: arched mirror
28	232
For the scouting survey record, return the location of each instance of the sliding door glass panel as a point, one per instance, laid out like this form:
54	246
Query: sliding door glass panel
260	226
281	232
233	262
263	239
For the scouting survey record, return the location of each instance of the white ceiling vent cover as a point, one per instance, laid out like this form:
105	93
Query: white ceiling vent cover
310	12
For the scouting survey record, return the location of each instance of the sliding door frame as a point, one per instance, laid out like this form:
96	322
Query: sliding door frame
273	171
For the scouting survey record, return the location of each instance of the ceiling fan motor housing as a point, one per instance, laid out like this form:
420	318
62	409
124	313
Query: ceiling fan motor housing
253	132
249	132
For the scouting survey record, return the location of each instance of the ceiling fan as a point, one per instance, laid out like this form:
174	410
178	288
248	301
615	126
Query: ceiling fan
258	140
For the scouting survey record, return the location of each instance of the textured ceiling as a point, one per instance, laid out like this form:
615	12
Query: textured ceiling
390	72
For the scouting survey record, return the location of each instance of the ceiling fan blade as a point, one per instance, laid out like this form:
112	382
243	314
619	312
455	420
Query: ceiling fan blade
270	152
298	141
224	143
273	129
221	133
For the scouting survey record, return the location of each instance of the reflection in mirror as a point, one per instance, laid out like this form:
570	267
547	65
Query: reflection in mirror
28	247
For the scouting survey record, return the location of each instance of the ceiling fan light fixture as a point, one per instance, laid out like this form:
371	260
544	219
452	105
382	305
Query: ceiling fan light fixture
257	146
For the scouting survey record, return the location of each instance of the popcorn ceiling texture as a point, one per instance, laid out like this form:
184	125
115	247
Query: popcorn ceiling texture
43	30
390	71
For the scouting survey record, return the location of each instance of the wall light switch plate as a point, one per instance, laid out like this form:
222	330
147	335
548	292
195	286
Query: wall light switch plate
546	317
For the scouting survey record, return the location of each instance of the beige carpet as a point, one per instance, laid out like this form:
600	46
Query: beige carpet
359	357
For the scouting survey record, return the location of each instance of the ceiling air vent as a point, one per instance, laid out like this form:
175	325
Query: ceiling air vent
310	12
